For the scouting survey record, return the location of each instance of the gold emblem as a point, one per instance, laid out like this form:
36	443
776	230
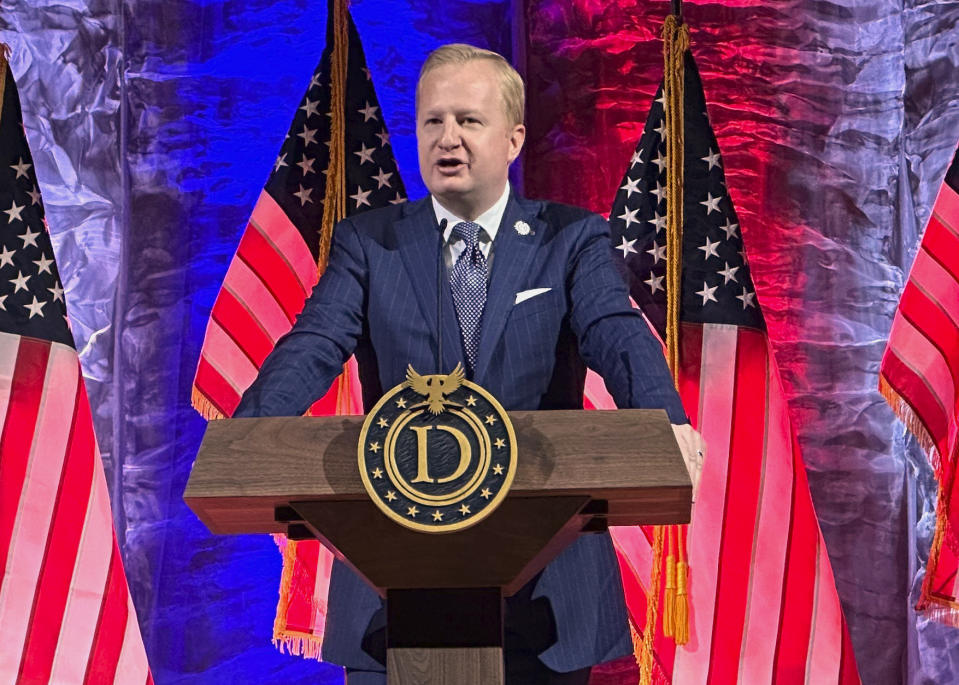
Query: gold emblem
439	445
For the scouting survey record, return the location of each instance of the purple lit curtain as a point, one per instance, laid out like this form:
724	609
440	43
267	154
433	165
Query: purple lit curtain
154	125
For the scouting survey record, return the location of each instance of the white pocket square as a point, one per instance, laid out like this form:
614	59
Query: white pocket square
526	294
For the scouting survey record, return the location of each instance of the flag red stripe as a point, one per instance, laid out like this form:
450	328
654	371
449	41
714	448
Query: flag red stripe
243	329
941	244
689	386
299	613
947	206
229	360
939	284
932	384
215	388
26	390
926	360
87	585
796	616
742	491
270	218
923	311
825	651
108	640
274	271
848	670
250	291
769	543
62	545
945	570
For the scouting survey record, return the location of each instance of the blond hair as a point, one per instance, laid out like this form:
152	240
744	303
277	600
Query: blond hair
510	82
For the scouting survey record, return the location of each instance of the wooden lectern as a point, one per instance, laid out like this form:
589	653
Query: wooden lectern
578	473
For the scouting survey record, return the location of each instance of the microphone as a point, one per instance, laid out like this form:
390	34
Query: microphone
439	299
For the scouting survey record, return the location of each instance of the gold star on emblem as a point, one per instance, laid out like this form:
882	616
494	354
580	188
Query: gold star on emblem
437	515
465	509
490	419
382	423
412	511
374	447
500	443
401	403
471	401
486	494
498	469
390	495
377	472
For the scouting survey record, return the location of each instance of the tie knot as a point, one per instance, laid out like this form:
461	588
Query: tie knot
468	232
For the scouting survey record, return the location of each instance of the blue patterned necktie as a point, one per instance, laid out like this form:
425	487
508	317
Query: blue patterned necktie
468	284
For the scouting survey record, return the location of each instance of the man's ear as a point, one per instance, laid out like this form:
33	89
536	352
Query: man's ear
516	139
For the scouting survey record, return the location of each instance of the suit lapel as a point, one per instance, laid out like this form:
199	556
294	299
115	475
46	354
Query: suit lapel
418	238
511	258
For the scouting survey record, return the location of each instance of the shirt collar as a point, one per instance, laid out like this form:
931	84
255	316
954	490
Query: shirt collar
489	220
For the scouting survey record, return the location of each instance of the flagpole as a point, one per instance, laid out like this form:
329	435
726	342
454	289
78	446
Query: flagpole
677	9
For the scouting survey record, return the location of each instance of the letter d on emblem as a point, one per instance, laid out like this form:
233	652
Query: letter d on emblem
422	455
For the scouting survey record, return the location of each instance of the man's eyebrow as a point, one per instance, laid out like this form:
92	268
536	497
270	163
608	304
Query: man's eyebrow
460	112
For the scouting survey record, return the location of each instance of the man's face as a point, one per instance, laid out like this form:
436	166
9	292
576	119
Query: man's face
463	137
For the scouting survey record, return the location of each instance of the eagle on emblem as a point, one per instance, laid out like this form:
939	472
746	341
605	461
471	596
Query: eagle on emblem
435	387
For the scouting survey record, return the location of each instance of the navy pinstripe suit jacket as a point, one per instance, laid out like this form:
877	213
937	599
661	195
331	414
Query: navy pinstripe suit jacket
377	300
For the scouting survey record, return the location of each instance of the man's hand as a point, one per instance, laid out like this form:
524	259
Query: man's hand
693	447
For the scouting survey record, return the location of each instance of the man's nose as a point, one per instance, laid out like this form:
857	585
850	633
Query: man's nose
450	138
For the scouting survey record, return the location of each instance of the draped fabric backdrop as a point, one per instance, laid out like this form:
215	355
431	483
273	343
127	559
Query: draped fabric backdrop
154	125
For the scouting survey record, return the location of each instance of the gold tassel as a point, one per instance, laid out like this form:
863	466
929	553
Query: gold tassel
334	202
681	634
669	600
675	43
4	54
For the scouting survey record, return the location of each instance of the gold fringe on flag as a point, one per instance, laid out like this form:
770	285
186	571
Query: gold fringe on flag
204	406
676	611
905	413
935	607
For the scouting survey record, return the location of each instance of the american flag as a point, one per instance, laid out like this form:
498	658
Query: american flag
65	609
276	264
278	261
919	376
763	606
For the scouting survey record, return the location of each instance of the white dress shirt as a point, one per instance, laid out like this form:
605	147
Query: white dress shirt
488	220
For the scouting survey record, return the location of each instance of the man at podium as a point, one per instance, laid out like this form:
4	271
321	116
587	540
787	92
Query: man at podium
529	297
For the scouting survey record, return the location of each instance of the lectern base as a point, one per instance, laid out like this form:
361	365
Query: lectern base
446	666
